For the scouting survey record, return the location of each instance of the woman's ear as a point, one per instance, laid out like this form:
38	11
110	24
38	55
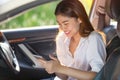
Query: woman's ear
79	20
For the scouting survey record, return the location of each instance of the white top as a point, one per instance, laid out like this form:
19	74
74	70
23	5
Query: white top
89	55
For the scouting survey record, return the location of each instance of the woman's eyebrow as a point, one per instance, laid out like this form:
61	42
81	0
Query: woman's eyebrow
63	21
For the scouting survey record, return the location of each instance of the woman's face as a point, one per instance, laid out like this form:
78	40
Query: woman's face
69	25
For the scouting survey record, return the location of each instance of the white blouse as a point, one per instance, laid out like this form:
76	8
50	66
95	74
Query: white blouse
89	55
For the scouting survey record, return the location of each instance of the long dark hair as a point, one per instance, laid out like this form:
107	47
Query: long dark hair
74	8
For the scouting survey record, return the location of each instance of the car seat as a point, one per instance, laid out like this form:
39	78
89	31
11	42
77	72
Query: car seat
111	70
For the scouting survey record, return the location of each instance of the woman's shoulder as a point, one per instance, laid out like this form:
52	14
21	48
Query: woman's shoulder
95	34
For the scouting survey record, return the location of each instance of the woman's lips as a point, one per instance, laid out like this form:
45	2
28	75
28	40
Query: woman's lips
67	32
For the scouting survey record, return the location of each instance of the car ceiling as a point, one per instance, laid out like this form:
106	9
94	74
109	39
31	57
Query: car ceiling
11	8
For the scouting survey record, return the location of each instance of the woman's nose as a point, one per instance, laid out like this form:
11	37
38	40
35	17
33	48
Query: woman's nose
64	27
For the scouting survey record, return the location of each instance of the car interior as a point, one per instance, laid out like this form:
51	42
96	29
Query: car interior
19	48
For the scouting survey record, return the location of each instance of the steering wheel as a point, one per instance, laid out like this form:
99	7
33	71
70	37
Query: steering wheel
7	53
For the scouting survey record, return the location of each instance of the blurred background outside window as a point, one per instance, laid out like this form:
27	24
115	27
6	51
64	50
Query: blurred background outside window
40	16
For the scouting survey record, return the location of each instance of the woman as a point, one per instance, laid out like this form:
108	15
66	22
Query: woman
80	50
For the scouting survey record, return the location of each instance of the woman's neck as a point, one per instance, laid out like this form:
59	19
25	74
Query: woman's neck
76	37
74	43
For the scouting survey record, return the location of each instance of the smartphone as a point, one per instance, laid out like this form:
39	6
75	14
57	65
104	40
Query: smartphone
46	58
38	56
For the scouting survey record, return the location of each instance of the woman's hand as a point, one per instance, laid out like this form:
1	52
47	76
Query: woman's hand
51	66
100	10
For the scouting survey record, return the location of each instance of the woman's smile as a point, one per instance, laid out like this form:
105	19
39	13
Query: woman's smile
67	32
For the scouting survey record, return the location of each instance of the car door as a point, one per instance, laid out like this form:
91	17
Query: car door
26	44
32	42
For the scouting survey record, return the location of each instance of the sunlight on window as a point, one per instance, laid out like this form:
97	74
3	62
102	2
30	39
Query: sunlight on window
87	4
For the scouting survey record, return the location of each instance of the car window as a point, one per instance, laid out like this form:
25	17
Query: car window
38	16
42	15
87	4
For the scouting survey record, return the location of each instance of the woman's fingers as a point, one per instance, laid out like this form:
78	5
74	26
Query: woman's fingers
50	66
42	61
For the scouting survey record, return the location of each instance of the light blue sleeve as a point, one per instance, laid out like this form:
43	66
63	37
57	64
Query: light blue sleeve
96	52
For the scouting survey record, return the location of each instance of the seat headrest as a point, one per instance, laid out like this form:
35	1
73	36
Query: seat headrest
113	9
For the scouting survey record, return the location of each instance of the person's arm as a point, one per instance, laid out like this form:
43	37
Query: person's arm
78	74
50	66
61	76
53	66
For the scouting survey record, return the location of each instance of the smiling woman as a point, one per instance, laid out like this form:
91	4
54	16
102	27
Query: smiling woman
75	45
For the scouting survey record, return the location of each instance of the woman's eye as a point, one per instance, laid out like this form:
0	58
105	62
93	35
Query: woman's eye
65	23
